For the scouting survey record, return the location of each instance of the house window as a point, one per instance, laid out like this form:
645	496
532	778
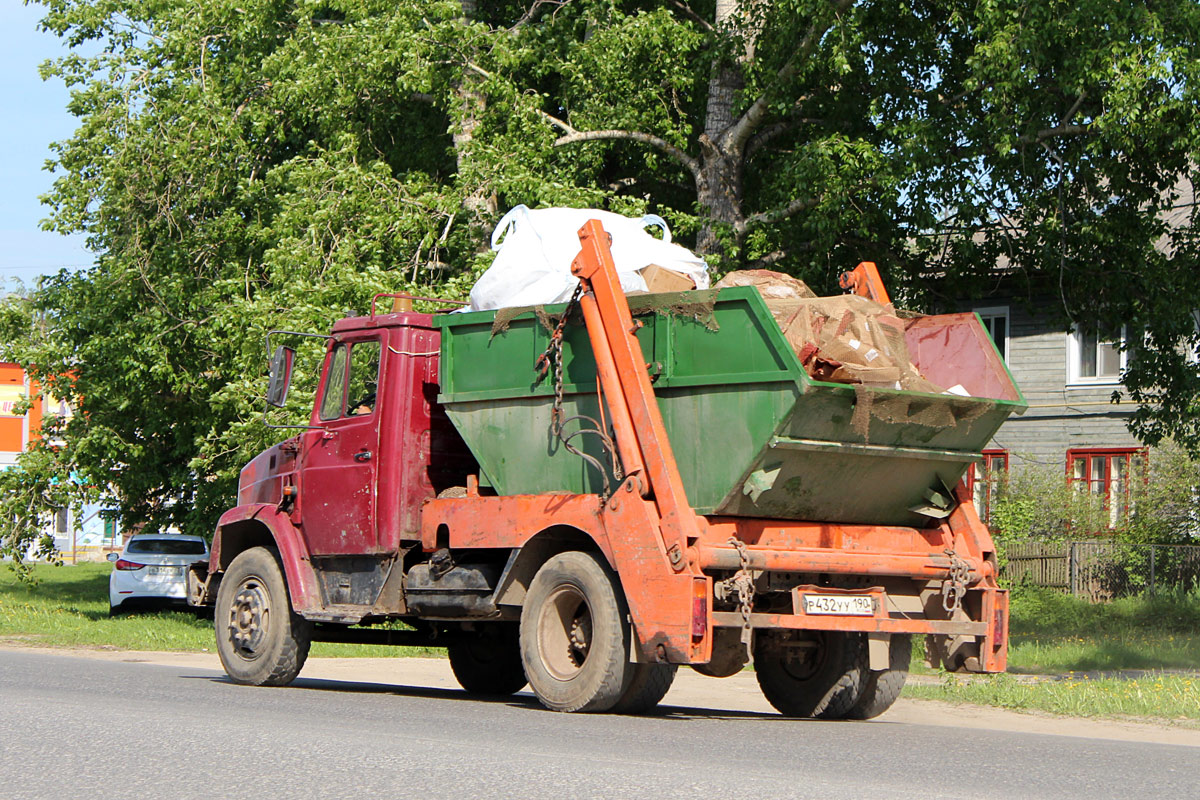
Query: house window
60	521
995	320
984	478
1107	474
1096	356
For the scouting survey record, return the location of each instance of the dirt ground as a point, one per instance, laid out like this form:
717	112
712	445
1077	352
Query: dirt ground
691	690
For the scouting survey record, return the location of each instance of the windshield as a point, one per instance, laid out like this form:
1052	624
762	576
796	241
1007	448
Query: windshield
166	547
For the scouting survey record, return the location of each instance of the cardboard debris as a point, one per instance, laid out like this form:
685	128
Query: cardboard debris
841	339
660	279
771	285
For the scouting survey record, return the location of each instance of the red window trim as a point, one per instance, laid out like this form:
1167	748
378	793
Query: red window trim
1088	453
991	456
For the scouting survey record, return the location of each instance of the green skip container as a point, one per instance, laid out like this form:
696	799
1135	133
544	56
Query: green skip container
753	434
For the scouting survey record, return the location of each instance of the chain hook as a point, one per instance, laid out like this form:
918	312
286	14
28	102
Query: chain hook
954	588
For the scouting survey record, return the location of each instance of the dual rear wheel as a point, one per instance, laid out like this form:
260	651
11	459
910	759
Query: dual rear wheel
575	640
827	675
571	646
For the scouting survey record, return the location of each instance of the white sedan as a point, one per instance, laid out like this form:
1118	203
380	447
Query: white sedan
153	567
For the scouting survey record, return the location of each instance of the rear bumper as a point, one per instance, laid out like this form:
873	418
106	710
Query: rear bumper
969	634
120	591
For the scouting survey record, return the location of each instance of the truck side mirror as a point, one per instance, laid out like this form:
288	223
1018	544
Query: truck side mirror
281	375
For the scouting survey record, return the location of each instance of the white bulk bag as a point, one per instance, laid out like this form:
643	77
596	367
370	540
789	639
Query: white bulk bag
535	248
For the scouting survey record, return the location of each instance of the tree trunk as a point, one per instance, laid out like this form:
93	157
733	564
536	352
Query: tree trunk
719	192
719	183
471	102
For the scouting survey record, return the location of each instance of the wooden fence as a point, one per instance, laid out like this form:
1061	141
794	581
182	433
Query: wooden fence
1103	570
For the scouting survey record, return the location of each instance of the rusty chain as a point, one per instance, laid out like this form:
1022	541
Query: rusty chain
954	588
743	583
552	357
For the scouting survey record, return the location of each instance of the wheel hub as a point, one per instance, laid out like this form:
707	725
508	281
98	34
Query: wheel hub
565	632
249	618
581	638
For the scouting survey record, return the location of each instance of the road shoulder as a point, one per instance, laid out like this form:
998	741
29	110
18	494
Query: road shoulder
692	695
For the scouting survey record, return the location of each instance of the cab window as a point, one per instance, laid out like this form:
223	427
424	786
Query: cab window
364	378
335	386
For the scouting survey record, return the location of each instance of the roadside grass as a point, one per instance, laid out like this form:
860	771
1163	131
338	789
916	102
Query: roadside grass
68	607
1160	696
1054	633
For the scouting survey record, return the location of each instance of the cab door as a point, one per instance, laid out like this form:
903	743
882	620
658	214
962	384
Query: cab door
337	483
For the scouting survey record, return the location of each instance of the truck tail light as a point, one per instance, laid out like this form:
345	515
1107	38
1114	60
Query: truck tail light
122	564
699	608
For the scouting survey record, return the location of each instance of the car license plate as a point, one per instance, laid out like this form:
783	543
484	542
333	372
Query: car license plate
172	571
852	605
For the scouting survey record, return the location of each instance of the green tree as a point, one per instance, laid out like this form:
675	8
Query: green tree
241	166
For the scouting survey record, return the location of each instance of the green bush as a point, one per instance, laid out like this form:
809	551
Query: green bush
1035	502
1165	501
1162	507
1037	611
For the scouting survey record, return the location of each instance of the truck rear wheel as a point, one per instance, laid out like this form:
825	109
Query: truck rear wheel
489	662
822	678
648	686
259	639
882	687
574	638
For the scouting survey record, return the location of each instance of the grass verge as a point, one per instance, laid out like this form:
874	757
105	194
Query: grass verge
1160	696
1054	633
68	607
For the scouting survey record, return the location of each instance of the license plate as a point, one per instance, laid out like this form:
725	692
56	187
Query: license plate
850	605
173	571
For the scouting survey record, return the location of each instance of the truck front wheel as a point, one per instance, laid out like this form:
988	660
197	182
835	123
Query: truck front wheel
490	661
574	638
259	639
821	677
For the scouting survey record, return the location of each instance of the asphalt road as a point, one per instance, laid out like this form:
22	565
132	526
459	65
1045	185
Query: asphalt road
73	727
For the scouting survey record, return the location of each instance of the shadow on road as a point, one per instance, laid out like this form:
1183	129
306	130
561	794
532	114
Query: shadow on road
524	699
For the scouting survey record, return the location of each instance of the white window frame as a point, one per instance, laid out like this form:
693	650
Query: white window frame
997	312
1075	357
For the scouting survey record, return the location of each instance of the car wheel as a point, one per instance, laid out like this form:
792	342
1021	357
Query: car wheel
574	638
820	677
489	662
259	638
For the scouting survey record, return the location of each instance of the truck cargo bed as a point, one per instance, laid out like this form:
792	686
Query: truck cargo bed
753	434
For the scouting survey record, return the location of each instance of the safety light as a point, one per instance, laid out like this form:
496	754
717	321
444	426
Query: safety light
699	608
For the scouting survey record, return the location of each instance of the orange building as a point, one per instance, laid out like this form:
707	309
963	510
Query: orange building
84	536
17	430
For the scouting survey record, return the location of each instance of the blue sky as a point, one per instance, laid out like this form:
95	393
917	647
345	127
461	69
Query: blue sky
34	116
